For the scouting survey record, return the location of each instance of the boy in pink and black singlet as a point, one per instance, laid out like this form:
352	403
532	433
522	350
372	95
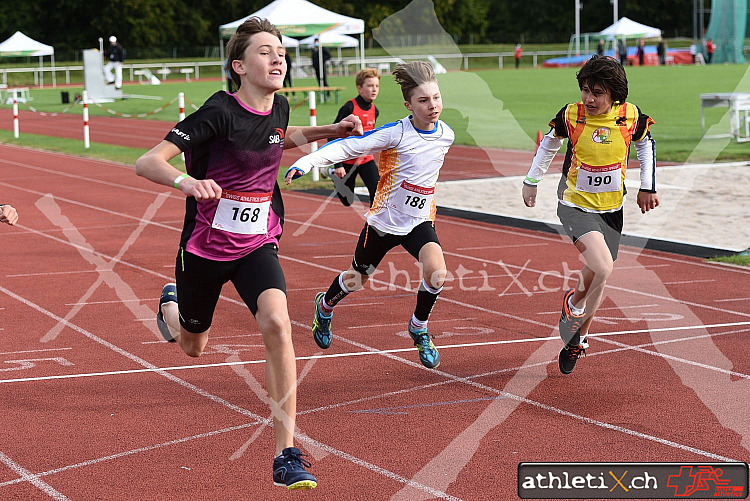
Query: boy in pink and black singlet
234	216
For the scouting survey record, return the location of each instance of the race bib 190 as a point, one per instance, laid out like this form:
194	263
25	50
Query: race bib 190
413	200
598	179
243	213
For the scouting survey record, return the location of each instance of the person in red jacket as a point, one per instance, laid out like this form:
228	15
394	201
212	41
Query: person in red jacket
710	50
345	174
518	54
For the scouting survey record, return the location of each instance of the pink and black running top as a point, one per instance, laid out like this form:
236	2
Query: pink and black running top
240	148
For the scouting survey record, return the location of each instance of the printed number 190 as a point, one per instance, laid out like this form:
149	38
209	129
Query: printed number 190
598	180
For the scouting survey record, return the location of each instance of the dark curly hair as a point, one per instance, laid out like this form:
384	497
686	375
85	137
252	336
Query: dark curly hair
607	72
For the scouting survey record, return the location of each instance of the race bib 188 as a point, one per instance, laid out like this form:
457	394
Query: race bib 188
243	213
413	200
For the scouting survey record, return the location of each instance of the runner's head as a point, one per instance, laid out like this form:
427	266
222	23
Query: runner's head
421	92
608	74
264	39
368	83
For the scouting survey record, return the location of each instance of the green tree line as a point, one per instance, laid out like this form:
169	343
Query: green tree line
78	24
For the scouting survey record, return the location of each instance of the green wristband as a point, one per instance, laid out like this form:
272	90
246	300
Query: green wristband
178	179
532	180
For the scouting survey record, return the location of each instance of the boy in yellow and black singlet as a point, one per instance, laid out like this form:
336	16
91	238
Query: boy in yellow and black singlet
600	129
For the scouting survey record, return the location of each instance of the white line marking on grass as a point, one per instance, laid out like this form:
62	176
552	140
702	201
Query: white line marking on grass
27	476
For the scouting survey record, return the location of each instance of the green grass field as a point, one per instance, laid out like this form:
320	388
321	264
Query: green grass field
493	108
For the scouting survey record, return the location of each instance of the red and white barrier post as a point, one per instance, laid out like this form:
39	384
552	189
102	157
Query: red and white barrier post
181	104
86	141
313	123
15	114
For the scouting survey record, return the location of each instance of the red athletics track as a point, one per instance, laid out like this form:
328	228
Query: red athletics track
461	162
666	377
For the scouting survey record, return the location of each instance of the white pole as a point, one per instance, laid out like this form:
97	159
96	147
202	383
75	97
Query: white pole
181	104
15	114
86	142
578	27
614	11
313	123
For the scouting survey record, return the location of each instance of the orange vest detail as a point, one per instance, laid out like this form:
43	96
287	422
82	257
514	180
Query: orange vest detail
368	123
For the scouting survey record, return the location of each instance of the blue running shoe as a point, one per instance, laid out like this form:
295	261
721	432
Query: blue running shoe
428	354
289	470
321	327
168	295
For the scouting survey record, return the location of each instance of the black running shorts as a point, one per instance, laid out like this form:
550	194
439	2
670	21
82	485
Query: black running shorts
199	282
373	245
578	222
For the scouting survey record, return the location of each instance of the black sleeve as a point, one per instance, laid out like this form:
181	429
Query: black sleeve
377	112
558	123
642	126
200	126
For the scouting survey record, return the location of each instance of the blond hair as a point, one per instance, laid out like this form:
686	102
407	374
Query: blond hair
366	73
241	40
413	74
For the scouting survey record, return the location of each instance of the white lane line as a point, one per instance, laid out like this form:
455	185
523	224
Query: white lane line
733	299
371	326
113	301
372	351
557	312
500	246
149	367
41	274
27	476
689	281
33	351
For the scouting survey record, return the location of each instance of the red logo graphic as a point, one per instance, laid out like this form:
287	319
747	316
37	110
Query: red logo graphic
703	479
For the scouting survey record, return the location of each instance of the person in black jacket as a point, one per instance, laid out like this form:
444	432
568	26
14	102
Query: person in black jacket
320	73
115	55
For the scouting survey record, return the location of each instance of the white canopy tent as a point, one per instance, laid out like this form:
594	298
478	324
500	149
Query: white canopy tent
332	39
300	18
630	29
20	45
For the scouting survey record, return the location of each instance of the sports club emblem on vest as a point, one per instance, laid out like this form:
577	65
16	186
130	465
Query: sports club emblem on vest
600	135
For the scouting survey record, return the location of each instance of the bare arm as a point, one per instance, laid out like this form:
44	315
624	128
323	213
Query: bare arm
154	166
297	136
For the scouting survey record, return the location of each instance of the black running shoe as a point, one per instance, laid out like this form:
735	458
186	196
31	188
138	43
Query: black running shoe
569	356
289	470
569	322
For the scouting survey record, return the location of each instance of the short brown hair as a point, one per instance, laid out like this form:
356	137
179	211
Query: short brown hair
607	72
366	73
413	74
241	39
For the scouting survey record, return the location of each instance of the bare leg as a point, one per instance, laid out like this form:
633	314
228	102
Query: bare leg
192	344
597	270
281	369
